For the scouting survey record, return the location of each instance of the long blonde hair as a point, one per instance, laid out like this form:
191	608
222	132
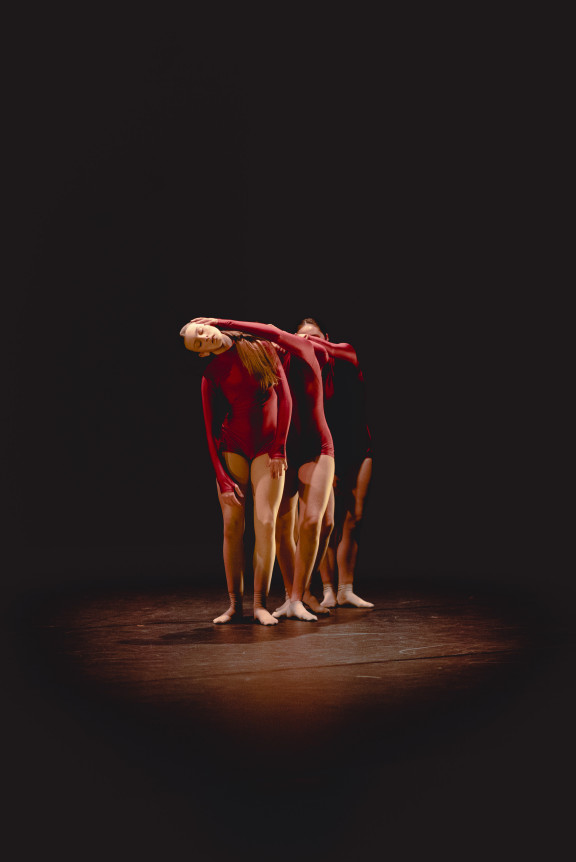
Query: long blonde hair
258	357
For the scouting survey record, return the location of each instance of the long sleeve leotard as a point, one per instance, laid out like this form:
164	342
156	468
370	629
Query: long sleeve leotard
256	420
345	403
309	434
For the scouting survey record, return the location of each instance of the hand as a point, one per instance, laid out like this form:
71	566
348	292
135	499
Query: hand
277	467
208	320
229	498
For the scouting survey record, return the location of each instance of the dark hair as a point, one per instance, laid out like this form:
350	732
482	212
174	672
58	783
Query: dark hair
312	321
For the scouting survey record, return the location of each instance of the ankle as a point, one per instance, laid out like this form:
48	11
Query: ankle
236	601
259	600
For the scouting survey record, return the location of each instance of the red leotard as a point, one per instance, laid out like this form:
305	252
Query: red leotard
345	403
309	434
256	421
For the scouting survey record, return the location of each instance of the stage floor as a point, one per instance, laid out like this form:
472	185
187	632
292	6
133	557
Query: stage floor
433	701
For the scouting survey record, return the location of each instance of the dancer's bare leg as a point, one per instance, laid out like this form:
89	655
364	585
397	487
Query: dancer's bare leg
233	543
328	573
315	482
347	553
326	530
267	492
327	567
286	532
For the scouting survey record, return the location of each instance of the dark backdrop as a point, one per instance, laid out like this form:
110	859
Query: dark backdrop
388	176
379	179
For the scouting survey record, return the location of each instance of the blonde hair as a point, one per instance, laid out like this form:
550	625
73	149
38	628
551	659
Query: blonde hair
258	357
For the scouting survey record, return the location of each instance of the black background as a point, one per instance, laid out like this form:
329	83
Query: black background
380	178
389	176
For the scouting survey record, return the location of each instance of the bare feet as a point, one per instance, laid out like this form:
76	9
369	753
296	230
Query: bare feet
297	611
329	600
347	597
262	616
232	615
282	610
312	602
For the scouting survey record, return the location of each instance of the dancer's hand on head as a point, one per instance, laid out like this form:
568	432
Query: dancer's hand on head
208	320
277	467
230	498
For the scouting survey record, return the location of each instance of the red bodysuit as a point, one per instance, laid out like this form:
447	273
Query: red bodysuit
256	420
309	434
345	404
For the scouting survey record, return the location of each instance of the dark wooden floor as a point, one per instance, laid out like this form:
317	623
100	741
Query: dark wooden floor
434	717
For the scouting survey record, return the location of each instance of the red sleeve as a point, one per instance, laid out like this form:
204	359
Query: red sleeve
320	351
225	483
293	343
278	449
338	351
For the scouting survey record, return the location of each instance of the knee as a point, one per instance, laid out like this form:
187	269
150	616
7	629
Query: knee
265	527
284	530
233	529
310	528
328	524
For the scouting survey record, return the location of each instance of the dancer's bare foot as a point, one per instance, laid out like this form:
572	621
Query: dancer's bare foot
312	602
347	597
232	615
297	611
282	610
329	600
262	616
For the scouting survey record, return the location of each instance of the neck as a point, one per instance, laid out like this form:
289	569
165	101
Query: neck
226	344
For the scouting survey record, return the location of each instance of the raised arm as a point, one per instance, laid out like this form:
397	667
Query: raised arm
227	486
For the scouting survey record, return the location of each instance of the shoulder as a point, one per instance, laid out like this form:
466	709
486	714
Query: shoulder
211	366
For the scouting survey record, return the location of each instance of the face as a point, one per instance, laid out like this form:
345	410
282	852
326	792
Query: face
202	338
311	329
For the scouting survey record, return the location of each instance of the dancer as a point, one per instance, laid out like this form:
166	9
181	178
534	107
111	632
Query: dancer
310	472
345	407
251	449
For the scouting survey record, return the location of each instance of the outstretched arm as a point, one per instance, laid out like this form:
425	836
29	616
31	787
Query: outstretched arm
338	351
228	488
293	343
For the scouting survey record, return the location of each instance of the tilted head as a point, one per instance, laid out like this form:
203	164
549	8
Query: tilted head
258	357
204	339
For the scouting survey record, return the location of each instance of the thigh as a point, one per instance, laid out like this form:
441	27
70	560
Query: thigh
289	499
315	484
287	518
329	513
239	469
266	490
